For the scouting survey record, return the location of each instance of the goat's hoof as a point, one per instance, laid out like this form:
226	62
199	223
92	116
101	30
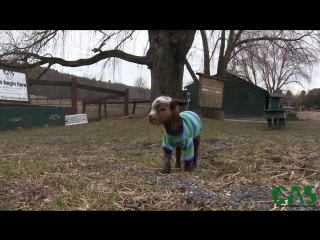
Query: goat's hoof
178	165
188	167
165	171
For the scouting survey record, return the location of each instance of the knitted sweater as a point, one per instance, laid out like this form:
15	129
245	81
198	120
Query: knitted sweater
191	128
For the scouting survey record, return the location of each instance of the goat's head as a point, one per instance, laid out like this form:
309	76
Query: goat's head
165	110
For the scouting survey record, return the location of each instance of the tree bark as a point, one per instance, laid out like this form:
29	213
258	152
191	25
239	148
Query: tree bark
206	57
167	51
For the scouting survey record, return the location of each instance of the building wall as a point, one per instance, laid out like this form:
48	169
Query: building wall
239	97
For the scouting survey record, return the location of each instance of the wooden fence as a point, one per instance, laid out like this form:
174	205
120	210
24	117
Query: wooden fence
74	85
105	100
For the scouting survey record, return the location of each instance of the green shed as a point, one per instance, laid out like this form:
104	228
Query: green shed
241	98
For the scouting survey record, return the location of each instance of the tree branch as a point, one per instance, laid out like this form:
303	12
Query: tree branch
270	39
214	49
144	60
44	71
193	75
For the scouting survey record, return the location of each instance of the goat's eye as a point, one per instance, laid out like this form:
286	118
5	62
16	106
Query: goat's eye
162	109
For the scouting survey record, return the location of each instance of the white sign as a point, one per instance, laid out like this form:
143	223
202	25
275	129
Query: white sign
76	119
13	86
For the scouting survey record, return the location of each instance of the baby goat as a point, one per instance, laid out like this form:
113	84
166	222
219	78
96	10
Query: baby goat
182	131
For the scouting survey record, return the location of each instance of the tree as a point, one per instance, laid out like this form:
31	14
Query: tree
140	82
165	57
289	94
309	102
288	99
272	66
303	93
317	100
232	42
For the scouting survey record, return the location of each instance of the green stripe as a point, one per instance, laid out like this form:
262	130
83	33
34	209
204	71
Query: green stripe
175	137
166	141
197	121
188	152
190	125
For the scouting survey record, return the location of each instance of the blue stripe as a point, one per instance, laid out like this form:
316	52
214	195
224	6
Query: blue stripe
188	145
167	150
187	116
185	130
191	116
199	128
188	158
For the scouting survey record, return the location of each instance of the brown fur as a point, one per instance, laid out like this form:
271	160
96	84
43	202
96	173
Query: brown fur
165	111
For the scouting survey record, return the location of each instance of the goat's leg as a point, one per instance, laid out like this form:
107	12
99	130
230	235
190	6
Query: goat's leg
178	157
188	160
188	166
196	143
166	168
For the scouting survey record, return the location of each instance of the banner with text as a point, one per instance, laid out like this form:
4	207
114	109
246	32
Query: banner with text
13	86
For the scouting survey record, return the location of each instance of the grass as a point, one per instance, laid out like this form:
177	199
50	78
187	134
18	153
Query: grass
115	165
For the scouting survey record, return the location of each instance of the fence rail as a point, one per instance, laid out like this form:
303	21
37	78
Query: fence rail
117	97
74	85
105	100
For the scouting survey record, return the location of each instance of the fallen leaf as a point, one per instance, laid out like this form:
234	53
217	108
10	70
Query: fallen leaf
140	199
48	199
157	197
180	208
304	182
190	200
181	189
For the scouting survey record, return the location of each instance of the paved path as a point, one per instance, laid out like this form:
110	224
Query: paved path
246	120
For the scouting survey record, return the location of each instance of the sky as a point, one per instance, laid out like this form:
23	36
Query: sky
79	44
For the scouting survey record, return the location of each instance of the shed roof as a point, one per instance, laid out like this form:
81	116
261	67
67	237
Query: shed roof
231	74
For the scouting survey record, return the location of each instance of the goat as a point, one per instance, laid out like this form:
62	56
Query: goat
182	132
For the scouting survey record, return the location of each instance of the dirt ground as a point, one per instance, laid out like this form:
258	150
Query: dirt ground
116	164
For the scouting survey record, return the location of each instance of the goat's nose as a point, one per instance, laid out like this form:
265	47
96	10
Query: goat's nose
150	116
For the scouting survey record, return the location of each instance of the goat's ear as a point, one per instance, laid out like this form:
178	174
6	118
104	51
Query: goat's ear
177	102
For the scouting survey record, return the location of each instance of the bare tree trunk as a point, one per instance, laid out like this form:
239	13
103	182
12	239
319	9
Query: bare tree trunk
221	62
168	50
205	52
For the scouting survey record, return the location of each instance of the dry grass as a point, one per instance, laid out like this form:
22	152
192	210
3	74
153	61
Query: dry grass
115	165
113	110
308	115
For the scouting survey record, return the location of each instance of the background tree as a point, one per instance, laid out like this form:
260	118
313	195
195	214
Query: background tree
317	99
229	43
288	99
272	66
307	99
165	55
140	82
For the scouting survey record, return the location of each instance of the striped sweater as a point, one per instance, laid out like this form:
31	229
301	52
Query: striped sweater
191	128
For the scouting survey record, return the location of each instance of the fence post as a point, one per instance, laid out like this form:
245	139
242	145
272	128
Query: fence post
74	97
99	108
83	106
126	102
134	106
105	108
